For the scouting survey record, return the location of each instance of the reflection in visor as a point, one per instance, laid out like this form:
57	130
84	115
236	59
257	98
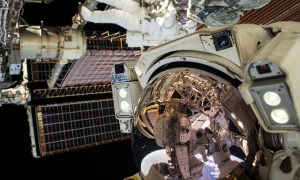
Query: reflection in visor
184	109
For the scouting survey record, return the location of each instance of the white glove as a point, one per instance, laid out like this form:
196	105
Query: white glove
86	13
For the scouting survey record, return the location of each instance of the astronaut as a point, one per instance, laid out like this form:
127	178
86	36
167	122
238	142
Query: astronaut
145	26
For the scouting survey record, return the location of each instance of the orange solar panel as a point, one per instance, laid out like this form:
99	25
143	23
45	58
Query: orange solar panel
276	10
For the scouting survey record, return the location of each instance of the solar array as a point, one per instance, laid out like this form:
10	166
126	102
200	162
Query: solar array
71	91
41	71
70	126
96	66
275	11
84	123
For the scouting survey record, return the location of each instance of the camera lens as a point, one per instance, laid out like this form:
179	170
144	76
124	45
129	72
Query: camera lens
223	41
119	68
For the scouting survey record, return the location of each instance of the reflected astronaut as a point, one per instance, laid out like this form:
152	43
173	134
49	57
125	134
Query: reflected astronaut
188	115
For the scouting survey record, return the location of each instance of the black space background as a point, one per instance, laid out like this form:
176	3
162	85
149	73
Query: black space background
111	161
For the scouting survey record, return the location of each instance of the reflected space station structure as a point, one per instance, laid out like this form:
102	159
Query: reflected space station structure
213	90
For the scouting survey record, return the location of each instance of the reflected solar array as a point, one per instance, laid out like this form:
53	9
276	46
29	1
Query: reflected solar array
64	127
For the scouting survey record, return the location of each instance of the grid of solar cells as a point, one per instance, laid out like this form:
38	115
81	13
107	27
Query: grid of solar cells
70	126
41	71
104	41
96	66
70	91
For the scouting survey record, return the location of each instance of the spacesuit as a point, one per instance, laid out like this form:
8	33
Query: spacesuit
143	28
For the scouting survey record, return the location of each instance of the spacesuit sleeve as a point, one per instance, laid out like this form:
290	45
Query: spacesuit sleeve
129	6
149	1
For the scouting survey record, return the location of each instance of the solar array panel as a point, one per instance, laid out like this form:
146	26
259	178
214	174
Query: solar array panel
41	71
70	126
96	66
106	41
276	10
71	91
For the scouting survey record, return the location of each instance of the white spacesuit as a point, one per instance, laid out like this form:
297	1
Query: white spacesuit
194	112
143	29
